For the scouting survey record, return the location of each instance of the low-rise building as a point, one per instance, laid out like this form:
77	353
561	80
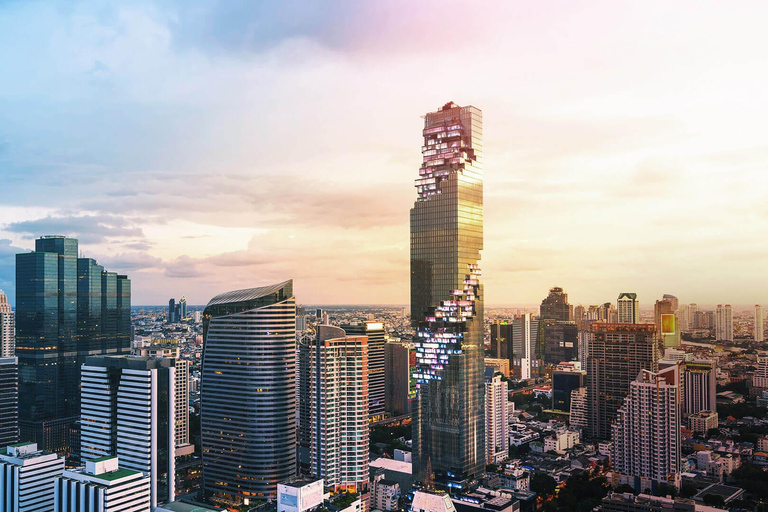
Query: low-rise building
385	494
627	502
299	494
700	422
102	486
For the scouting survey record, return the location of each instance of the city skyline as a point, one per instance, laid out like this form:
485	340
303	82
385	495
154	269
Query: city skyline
157	136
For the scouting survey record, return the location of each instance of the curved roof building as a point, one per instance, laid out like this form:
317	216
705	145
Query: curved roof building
248	392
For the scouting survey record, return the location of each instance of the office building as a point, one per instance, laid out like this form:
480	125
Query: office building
555	307
501	341
397	378
561	342
646	435
300	494
248	393
699	386
758	332
617	353
566	378
9	401
525	335
7	328
304	347
376	362
496	421
447	298
26	478
666	320
172	311
339	417
183	308
67	308
628	308
102	486
128	411
724	323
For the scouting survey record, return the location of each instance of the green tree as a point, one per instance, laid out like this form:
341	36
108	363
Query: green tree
543	485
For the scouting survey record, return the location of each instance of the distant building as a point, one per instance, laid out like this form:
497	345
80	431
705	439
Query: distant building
561	342
628	308
9	401
27	477
759	335
183	308
496	421
617	353
555	306
525	335
699	386
376	363
172	311
646	435
497	365
724	323
628	502
579	417
7	328
565	379
666	320
702	421
102	486
397	378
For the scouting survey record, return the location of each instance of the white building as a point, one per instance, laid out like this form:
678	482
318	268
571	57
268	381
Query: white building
724	323
102	486
385	494
578	418
299	495
7	328
646	435
701	421
628	308
524	333
496	421
428	502
26	478
339	412
128	410
561	441
758	331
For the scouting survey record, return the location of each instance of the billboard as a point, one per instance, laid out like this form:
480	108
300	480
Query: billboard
667	324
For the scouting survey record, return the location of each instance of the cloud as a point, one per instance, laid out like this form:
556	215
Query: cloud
89	229
8	254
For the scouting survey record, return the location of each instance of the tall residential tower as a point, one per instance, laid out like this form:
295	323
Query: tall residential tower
446	298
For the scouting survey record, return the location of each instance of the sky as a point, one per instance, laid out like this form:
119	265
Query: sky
201	147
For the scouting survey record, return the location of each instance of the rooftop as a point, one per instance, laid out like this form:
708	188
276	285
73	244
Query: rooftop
249	293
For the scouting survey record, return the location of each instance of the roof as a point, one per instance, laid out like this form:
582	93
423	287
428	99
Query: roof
181	506
248	293
392	465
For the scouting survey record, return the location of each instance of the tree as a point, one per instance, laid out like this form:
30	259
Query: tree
543	485
624	488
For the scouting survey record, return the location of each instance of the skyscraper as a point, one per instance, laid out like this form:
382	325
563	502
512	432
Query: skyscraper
758	330
496	424
628	308
555	306
666	320
565	379
699	386
617	353
397	378
525	333
561	342
67	309
646	435
376	379
183	307
7	328
446	297
128	411
9	400
501	341
248	392
724	323
172	311
339	417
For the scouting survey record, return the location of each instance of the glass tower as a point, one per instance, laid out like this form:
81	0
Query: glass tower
446	299
248	393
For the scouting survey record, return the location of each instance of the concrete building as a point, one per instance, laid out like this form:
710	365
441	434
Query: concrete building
339	416
7	328
699	386
646	435
724	323
128	411
701	421
627	502
496	421
497	365
566	378
395	470
628	308
300	494
385	494
525	336
758	332
617	353
9	400
181	416
374	331
102	486
579	417
397	377
27	478
428	502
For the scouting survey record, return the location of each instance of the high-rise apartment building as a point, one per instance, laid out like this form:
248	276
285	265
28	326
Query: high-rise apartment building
304	346
525	336
248	392
67	308
128	411
724	323
579	411
9	401
496	422
628	308
339	417
699	386
397	378
759	334
447	298
26	478
617	353
646	435
102	486
376	377
7	328
181	394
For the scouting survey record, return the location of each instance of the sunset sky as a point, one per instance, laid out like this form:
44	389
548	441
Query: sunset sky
208	146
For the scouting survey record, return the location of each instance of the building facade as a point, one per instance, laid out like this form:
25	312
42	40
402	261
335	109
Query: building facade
496	421
565	379
248	393
374	331
758	332
617	353
447	298
26	478
9	401
724	323
67	308
646	435
699	386
397	378
128	411
525	336
7	328
628	308
102	486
